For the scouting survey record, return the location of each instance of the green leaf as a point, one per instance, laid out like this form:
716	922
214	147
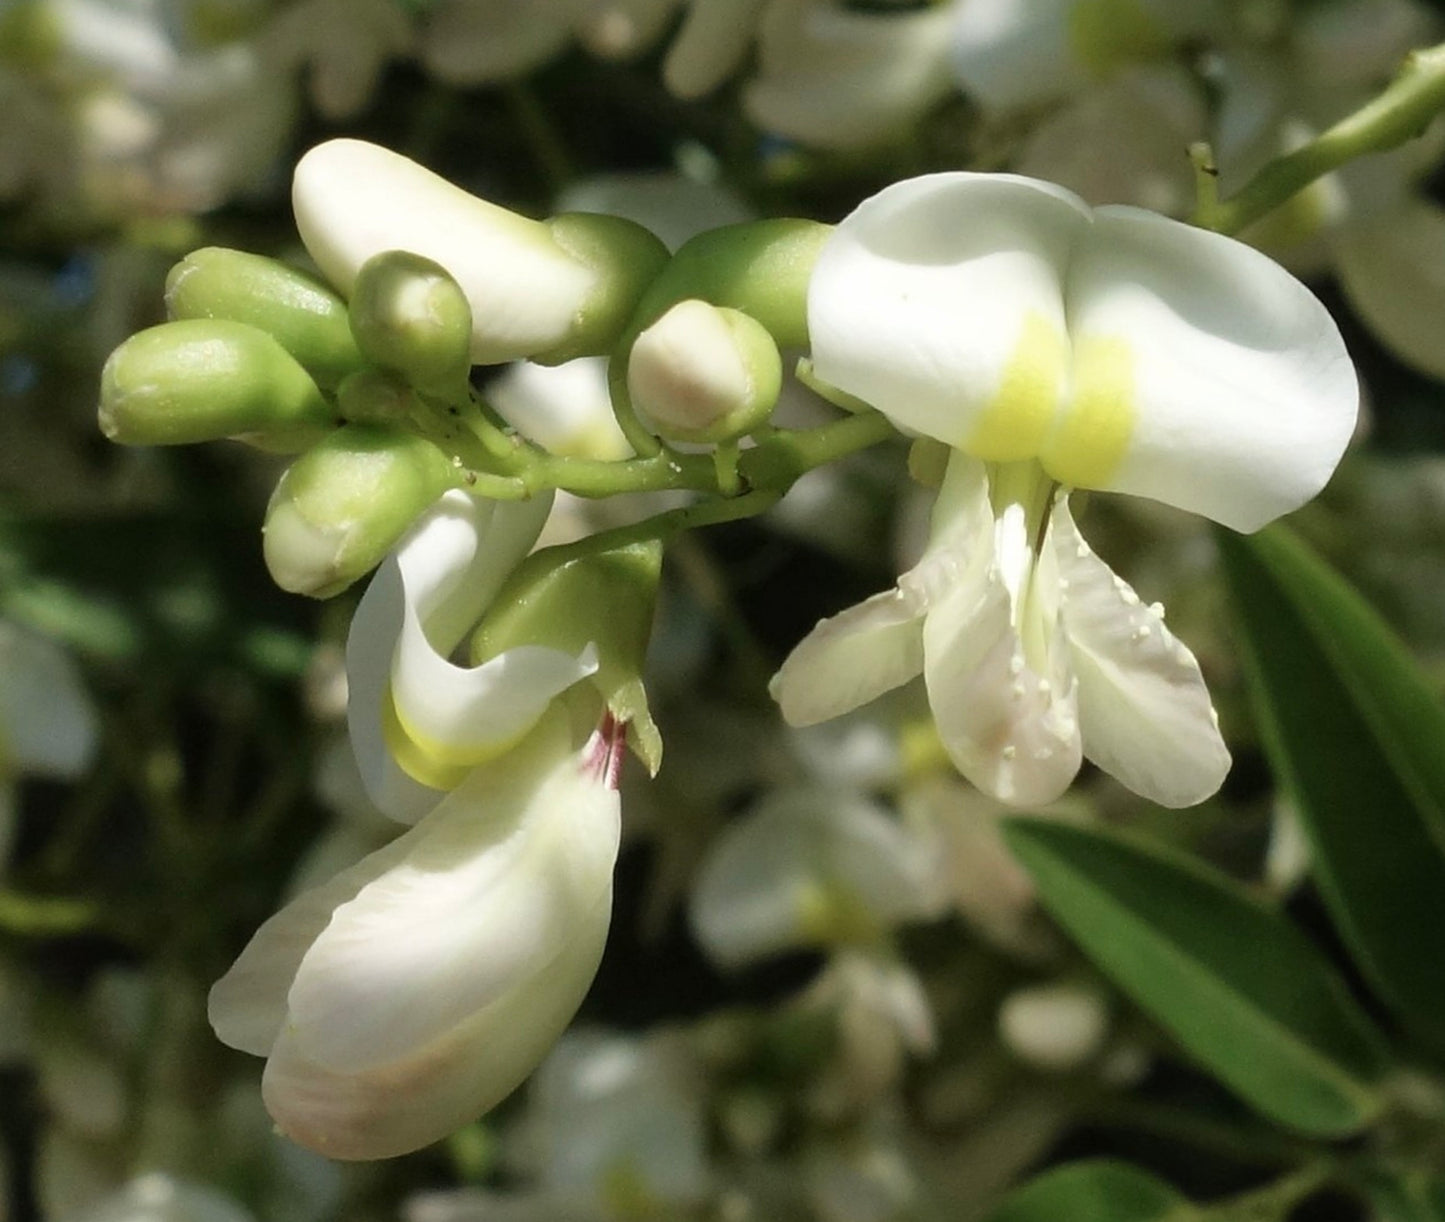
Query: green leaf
1100	1190
1237	985
1358	738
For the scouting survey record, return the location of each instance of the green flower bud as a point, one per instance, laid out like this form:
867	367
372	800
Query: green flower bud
701	373
566	598
298	311
625	259
343	505
203	379
759	267
408	315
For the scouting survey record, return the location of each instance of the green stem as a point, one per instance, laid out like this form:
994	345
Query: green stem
662	526
786	454
1401	112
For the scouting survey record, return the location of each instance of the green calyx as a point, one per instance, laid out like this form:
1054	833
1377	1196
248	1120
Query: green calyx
303	315
626	259
566	598
204	379
761	268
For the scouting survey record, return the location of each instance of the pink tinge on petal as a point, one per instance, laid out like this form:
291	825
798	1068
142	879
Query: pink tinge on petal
602	756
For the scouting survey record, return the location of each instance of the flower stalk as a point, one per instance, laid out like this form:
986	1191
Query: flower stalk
1400	113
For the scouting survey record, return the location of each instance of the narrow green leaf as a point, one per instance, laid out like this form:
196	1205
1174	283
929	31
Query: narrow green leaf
1358	738
1099	1190
1236	984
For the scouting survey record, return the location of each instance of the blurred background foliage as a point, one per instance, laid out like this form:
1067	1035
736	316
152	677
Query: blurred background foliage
1195	1018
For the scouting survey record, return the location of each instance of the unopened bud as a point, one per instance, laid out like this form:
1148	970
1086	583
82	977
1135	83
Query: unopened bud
544	291
1054	1027
568	599
408	315
203	379
298	311
342	506
701	373
759	267
624	258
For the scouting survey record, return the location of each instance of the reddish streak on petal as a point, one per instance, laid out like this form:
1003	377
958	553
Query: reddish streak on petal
602	756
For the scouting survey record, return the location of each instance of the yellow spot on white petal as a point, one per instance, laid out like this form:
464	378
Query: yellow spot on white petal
426	759
1092	434
1015	423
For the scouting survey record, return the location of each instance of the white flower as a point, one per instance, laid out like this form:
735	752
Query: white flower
1055	346
344	45
480	42
419	722
835	78
415	990
811	867
1017	53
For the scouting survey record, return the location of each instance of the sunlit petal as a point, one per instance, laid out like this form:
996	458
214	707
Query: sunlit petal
940	302
852	658
247	1006
354	200
479	897
420	604
397	1108
1008	722
1144	710
1204	375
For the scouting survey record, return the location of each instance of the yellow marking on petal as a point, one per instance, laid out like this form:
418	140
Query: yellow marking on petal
1014	424
426	759
1106	34
1093	432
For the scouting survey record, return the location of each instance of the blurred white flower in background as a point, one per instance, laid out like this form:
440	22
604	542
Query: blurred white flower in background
48	722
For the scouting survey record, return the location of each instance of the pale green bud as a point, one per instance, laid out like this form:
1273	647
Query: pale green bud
701	373
408	315
568	598
759	267
537	290
203	379
298	311
343	505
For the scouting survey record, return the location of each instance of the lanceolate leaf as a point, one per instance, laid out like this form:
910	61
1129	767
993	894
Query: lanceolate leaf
1100	1190
1358	738
1236	984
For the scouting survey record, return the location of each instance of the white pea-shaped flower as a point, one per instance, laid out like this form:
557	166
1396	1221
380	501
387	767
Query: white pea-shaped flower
1053	346
416	989
413	991
419	721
